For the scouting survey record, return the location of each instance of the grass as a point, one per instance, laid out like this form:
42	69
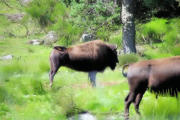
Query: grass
25	93
24	90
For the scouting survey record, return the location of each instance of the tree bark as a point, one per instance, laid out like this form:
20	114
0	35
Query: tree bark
128	26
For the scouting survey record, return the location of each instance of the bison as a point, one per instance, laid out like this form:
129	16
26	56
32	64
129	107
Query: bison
160	76
90	57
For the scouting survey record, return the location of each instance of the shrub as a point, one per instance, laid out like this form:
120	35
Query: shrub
38	88
175	50
94	15
52	15
44	11
172	37
103	34
67	32
4	109
64	99
116	39
128	58
4	22
160	30
152	53
153	31
5	96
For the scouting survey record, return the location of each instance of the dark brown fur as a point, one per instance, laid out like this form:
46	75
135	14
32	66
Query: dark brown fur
161	76
91	56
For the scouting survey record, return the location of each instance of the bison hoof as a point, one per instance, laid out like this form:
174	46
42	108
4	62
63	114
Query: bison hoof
126	116
50	85
138	113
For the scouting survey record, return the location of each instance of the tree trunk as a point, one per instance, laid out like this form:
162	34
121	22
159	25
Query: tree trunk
115	2
128	26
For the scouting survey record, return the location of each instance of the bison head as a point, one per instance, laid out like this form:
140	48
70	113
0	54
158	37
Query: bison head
58	58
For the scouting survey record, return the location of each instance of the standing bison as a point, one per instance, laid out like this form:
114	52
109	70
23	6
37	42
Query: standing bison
91	57
161	76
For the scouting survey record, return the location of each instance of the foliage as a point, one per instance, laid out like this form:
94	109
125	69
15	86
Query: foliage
145	9
172	37
116	38
156	51
178	2
92	15
152	31
154	4
160	31
128	58
52	15
24	83
44	11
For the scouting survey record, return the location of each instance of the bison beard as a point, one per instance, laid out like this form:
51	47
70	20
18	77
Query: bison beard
160	76
91	57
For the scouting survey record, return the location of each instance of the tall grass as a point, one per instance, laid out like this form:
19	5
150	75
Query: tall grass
127	59
165	31
25	92
24	85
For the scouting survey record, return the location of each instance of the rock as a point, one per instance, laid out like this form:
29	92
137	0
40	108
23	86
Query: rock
2	38
83	116
25	2
10	34
6	57
120	52
114	117
36	42
50	38
140	50
15	17
87	37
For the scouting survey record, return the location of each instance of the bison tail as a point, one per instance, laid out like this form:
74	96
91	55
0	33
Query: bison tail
124	74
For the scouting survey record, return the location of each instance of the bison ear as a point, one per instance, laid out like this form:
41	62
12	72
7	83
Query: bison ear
60	48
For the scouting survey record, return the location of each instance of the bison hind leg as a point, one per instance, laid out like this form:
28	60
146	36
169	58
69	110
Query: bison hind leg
128	100
138	100
92	77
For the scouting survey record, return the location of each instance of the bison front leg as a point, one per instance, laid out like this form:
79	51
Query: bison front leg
54	64
92	77
51	76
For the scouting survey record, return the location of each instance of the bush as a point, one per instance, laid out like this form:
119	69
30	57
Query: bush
172	36
38	88
176	50
45	11
92	16
5	96
128	58
67	32
52	15
103	34
152	31
116	39
4	23
160	30
152	53
4	109
64	99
